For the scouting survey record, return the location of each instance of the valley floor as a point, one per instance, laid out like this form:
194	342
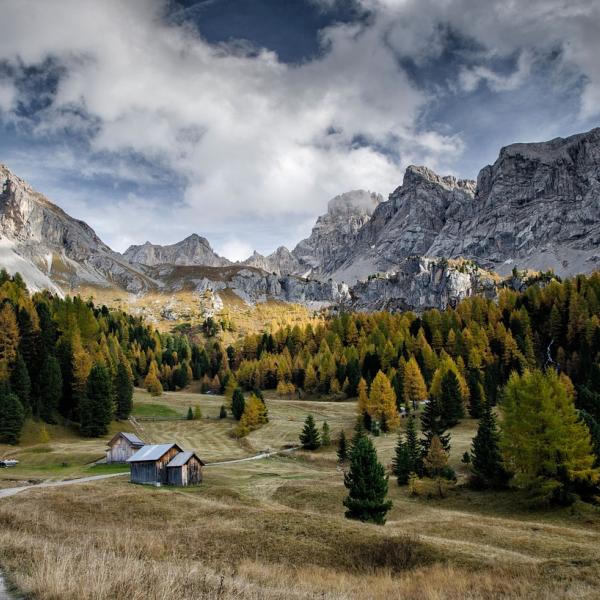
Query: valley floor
274	528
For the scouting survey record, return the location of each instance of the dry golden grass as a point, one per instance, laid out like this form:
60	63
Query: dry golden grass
275	529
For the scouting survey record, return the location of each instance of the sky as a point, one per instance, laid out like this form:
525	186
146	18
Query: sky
239	119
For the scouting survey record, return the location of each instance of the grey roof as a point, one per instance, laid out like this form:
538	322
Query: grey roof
182	458
133	439
151	452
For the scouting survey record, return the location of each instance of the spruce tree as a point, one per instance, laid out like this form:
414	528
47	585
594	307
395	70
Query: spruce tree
50	392
367	485
238	403
325	435
408	454
123	392
432	423
342	450
20	383
486	460
451	403
97	404
190	414
12	416
309	438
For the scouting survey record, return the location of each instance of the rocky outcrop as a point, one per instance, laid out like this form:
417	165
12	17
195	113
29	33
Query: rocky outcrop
280	262
420	283
193	250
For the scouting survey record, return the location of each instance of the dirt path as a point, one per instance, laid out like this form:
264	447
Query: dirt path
7	492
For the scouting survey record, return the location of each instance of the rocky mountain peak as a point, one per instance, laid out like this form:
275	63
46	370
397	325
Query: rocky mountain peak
416	176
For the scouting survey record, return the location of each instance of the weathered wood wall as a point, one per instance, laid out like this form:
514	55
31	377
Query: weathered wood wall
120	451
152	471
188	474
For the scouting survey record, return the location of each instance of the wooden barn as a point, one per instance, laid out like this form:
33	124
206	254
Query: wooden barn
149	465
123	446
185	469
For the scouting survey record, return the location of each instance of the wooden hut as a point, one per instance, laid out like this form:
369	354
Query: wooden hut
185	469
123	446
149	465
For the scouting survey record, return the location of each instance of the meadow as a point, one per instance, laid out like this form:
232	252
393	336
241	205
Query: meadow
274	528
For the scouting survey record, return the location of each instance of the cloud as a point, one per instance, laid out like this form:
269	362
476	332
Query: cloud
253	143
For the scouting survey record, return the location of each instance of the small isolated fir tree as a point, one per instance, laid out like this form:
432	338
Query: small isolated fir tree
309	438
367	485
97	404
123	392
451	403
408	454
223	412
197	413
190	414
342	451
325	435
486	459
238	403
12	416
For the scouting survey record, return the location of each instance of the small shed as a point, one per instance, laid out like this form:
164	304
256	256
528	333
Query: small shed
185	469
123	446
149	465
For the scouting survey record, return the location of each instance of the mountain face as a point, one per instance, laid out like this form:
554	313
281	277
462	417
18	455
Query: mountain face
51	249
537	207
193	250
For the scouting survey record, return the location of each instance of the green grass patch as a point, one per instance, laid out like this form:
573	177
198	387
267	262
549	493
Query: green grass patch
154	410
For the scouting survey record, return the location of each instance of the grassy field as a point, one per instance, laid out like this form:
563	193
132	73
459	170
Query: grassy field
275	529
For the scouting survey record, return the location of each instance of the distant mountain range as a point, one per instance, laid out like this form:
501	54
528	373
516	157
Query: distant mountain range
537	207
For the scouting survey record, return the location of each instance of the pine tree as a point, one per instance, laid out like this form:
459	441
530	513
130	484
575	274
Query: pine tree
238	403
342	450
486	460
20	383
12	416
367	485
51	390
123	392
325	435
97	404
223	412
190	414
432	424
310	438
544	442
408	454
451	402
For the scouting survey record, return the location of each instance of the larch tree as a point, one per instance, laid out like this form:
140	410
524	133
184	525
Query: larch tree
544	442
382	402
415	389
9	339
152	382
367	485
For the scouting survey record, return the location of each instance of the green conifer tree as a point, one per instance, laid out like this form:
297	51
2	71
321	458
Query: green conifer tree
97	404
432	423
325	435
408	454
123	392
342	450
223	412
50	393
451	402
20	383
310	438
486	460
367	485
12	416
190	414
238	403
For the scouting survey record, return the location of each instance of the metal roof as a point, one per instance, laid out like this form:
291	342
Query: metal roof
151	452
182	458
133	439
